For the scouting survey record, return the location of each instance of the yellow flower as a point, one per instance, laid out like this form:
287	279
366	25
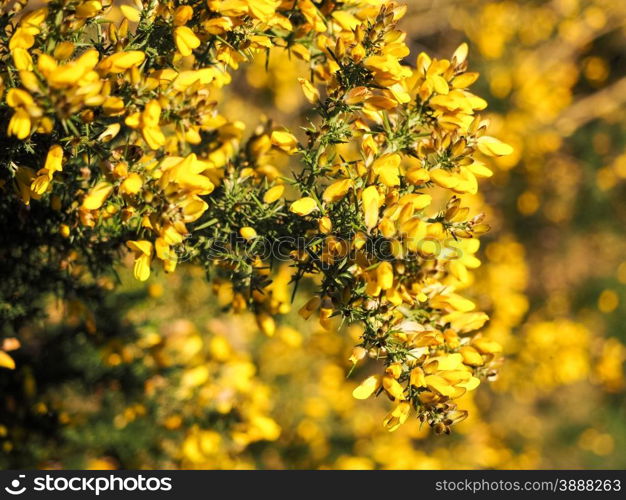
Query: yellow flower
266	324
273	194
263	10
193	207
397	416
149	125
387	69
88	9
384	275
310	307
121	61
466	322
310	92
248	233
401	129
440	385
387	168
64	50
358	353
33	20
480	169
6	361
113	106
130	13
219	25
186	40
110	132
164	252
143	257
460	54
304	206
471	356
368	387
20	124
97	196
187	173
453	302
371	200
22	39
182	15
346	20
285	141
325	225
132	184
393	388
486	346
394	370
337	190
73	73
54	160
417	378
326	317
444	178
491	146
312	15
22	59
25	111
417	201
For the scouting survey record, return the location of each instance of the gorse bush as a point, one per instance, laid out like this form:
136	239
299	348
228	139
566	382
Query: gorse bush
113	142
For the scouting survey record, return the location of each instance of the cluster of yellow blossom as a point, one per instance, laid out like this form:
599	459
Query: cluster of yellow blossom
192	393
196	423
192	421
214	379
138	156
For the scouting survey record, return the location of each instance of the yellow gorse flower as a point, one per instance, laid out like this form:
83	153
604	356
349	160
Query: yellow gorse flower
25	113
284	140
121	61
143	257
303	206
186	40
6	361
54	163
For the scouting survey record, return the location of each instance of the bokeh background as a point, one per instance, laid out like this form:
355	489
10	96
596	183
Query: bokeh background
156	375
